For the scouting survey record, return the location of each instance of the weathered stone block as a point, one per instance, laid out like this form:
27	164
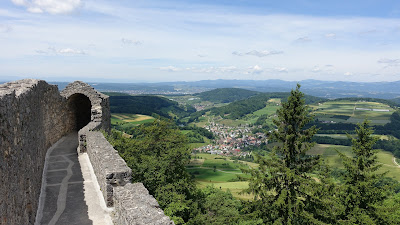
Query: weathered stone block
134	205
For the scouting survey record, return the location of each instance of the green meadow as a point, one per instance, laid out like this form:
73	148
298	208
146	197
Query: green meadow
126	120
352	112
222	172
219	171
329	154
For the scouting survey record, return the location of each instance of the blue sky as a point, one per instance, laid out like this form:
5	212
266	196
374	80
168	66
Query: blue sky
153	41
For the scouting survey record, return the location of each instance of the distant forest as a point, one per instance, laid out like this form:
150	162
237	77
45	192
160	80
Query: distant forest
226	95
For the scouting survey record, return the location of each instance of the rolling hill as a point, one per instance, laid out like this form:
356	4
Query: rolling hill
148	105
226	95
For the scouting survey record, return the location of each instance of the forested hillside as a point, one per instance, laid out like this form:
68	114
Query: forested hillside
148	105
226	95
238	109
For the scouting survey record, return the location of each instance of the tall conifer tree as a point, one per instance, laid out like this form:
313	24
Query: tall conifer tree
282	184
361	193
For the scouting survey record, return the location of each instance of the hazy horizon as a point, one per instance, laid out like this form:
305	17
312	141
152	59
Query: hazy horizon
175	40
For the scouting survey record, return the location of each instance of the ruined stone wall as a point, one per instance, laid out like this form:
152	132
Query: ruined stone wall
33	116
110	169
132	202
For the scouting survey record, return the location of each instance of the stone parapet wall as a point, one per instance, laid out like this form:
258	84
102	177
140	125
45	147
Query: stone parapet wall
110	169
134	205
33	116
132	202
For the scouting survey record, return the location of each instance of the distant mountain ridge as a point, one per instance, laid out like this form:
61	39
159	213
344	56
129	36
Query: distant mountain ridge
326	89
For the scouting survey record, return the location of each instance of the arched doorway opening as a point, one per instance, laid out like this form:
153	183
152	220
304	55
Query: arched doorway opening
81	108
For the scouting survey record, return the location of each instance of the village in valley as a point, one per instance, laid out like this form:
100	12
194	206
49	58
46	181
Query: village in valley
230	141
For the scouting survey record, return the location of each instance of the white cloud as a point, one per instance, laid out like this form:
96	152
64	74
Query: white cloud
389	62
348	74
227	69
330	35
303	40
5	28
129	42
255	69
49	6
20	2
258	53
170	69
70	51
281	69
209	70
316	69
63	51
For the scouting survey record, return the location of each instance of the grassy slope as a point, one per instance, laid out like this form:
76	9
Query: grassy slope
225	175
332	158
130	119
226	170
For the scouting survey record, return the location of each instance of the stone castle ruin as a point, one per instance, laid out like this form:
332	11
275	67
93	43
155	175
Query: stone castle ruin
34	116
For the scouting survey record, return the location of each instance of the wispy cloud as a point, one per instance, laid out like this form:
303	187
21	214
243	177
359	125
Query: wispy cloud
348	74
49	6
210	69
255	69
258	53
330	35
126	41
62	51
389	62
5	28
303	39
281	69
367	32
170	69
316	69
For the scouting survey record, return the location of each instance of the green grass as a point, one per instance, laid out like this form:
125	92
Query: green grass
386	158
328	153
234	187
344	136
270	109
329	111
126	118
208	174
224	176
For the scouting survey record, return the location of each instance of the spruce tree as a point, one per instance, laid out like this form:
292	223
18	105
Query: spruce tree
283	188
361	194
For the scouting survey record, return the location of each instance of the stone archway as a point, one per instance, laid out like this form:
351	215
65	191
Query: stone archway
81	95
80	107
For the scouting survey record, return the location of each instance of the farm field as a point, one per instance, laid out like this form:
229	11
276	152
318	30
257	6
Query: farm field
251	118
344	136
328	153
222	172
131	119
219	171
353	112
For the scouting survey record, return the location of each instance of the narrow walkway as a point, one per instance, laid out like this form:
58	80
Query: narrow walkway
68	191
